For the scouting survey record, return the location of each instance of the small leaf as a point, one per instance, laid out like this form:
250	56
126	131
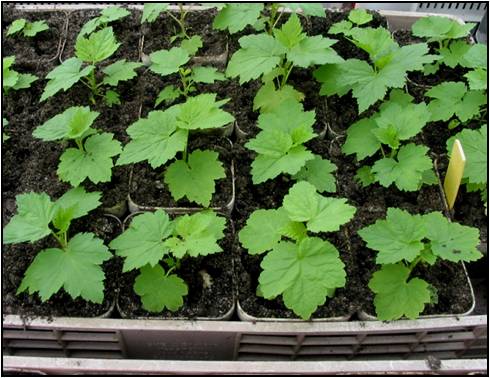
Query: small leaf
477	79
167	94
166	62
151	11
342	27
359	16
207	75
120	71
16	26
97	47
196	178
365	176
439	28
159	291
192	44
235	16
80	201
360	140
308	9
112	98
318	172
24	81
143	242
31	29
268	98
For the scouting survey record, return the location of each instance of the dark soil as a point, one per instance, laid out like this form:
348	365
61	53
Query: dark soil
17	258
40	51
157	35
148	188
127	31
213	302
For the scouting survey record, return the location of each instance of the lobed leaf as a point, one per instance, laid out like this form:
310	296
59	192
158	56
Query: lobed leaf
236	16
97	47
120	71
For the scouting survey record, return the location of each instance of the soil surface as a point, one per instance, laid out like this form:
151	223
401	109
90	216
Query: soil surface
17	258
40	51
201	301
148	188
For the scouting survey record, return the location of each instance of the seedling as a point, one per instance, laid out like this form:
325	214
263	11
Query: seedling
28	29
356	18
305	270
280	148
163	134
273	57
404	241
408	166
153	240
5	123
92	158
75	265
474	144
234	17
477	58
451	99
91	52
151	11
167	62
107	15
12	79
389	66
445	32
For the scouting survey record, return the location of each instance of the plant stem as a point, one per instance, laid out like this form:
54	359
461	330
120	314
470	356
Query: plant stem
184	153
79	143
62	240
414	263
288	72
271	22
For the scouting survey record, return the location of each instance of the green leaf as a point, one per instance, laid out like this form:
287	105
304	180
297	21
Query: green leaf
474	143
192	44
202	112
395	297
268	99
477	79
476	56
342	27
120	71
378	43
308	9
158	290
207	75
73	123
79	201
34	213
65	76
318	172
196	178
97	47
113	13
9	77
24	81
112	98
89	27
365	176
77	269
197	234
143	242
16	26
155	139
406	171
291	32
452	98
31	29
166	62
359	16
94	163
454	54
321	214
452	241
398	237
258	55
438	28
236	16
360	140
151	11
305	274
314	51
263	230
167	94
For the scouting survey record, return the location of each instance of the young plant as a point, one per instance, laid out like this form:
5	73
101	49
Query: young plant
5	123
153	240
12	79
304	269
445	32
387	67
404	241
356	18
280	148
408	166
234	17
75	265
107	15
91	52
451	99
474	144
477	58
28	29
273	57
163	134
92	158
167	62
151	11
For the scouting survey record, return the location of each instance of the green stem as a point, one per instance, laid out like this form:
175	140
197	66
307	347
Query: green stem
62	240
169	271
184	153
79	143
275	22
393	153
271	22
383	151
414	263
288	72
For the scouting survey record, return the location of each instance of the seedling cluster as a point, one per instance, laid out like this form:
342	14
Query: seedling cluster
300	266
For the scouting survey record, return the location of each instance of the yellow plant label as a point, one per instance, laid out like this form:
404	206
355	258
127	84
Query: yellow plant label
454	173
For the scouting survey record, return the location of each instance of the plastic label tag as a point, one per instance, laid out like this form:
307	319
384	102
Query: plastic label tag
454	173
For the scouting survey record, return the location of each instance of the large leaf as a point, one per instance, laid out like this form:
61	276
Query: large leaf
236	16
151	11
318	172
439	28
360	140
166	62
120	71
97	47
268	98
